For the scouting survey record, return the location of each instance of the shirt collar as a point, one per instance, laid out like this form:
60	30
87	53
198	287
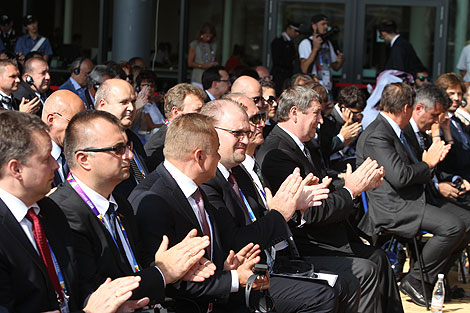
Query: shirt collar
56	150
4	94
249	162
392	123
75	84
225	172
394	39
463	113
186	184
100	202
210	95
294	137
337	108
285	36
16	206
414	125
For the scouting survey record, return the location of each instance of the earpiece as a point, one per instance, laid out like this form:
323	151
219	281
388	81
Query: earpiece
76	70
29	80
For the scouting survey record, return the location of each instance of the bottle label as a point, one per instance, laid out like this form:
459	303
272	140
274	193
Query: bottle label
437	302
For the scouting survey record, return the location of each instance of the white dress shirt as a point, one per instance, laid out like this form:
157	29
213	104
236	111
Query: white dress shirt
55	152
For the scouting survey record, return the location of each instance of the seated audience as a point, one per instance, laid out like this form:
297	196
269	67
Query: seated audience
77	82
180	99
400	204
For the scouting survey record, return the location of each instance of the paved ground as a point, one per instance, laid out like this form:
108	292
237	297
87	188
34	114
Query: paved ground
457	305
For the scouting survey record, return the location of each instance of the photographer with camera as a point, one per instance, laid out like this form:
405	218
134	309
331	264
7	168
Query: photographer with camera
317	54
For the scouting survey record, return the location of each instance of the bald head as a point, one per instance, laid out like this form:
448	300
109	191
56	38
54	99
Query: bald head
117	97
58	110
252	89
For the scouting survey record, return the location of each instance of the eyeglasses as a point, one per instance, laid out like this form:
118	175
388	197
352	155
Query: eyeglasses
423	78
60	115
266	78
270	100
119	149
258	117
237	133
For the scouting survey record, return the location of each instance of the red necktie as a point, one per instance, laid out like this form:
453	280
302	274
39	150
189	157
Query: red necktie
43	246
202	217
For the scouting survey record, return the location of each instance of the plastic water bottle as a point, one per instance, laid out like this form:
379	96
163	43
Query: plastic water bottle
438	295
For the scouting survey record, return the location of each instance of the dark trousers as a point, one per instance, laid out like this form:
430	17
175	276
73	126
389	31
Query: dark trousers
449	225
294	295
354	270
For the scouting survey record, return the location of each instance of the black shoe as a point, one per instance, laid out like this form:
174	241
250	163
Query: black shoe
413	292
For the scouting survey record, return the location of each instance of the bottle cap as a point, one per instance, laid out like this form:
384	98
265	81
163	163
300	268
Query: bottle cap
440	276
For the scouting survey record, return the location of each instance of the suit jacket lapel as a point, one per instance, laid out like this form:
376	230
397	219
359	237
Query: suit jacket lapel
295	150
183	205
98	226
413	141
12	225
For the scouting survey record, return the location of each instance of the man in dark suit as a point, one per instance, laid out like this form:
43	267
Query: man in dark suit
216	82
430	102
9	82
38	266
103	225
58	109
180	99
458	160
117	97
252	207
325	230
402	56
400	205
170	202
35	81
284	56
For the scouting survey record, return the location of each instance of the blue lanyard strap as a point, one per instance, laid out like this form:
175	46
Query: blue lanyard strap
250	211
82	194
60	276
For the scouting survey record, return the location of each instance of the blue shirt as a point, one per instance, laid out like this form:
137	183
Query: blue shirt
26	43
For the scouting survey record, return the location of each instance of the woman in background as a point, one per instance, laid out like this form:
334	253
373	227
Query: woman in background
202	53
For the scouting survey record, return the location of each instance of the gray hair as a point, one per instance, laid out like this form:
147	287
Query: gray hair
428	95
96	76
298	96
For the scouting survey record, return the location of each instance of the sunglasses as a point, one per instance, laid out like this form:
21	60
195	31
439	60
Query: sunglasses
236	133
423	78
258	117
257	99
119	149
270	100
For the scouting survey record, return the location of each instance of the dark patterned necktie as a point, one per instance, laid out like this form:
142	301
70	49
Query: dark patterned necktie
202	218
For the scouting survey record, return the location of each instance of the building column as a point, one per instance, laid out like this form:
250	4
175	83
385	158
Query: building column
68	18
132	24
460	29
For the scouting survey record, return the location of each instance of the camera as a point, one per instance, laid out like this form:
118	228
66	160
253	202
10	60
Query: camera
333	30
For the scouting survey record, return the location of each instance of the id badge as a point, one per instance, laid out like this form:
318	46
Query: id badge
64	305
326	79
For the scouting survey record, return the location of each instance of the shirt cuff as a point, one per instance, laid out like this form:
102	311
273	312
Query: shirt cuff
163	276
340	137
352	197
302	221
235	284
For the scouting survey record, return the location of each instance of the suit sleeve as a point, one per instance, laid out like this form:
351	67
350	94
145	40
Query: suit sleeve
332	210
155	218
381	148
266	231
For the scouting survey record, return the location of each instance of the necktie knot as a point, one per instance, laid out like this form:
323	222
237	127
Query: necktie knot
31	215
